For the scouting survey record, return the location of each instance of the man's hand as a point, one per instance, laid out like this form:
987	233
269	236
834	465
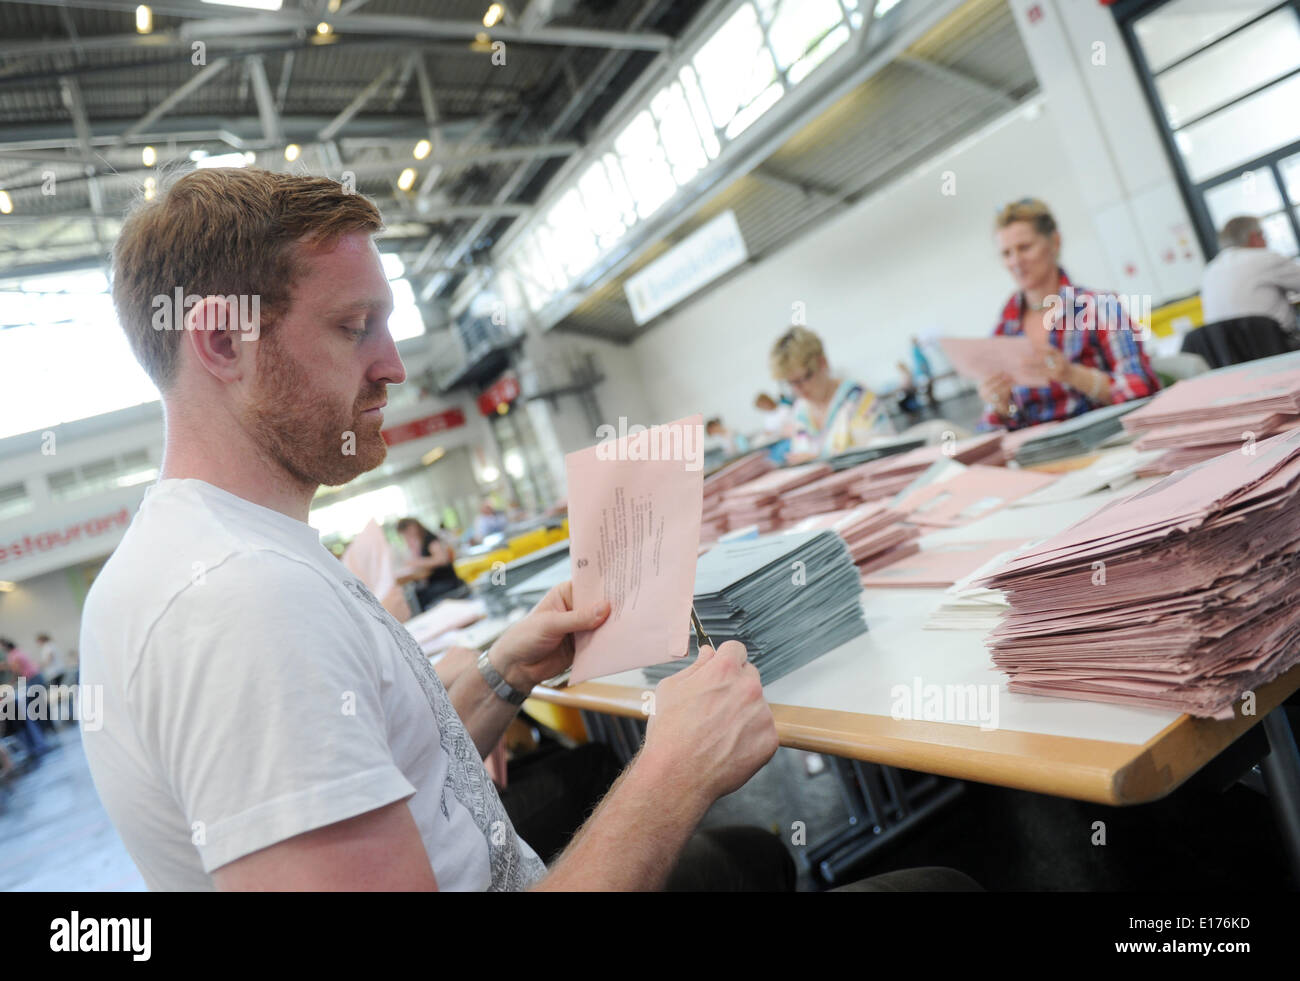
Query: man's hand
540	645
711	725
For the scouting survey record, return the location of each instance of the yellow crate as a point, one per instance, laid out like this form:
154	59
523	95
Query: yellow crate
471	568
1163	318
561	718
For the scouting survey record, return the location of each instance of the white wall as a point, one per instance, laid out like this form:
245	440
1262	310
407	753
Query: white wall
907	260
48	604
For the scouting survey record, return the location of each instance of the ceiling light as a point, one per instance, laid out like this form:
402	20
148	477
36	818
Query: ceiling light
291	152
407	179
150	188
250	157
6	203
493	15
323	28
149	155
422	149
255	4
143	19
333	6
7	587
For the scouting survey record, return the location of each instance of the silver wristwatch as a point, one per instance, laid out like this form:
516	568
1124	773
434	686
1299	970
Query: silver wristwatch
499	684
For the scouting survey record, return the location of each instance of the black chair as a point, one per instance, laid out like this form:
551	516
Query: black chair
1241	339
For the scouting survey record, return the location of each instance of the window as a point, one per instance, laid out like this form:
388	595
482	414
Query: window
1249	128
803	33
735	69
645	164
99	476
41	322
14	501
1224	78
405	320
764	48
1249	59
678	133
1175	29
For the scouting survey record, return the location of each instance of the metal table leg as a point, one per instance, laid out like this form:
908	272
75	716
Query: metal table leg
1282	777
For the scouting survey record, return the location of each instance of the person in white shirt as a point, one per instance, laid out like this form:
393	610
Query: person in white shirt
1247	280
266	724
53	663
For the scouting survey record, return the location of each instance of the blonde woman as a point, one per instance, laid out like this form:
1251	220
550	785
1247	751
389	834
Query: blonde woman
831	414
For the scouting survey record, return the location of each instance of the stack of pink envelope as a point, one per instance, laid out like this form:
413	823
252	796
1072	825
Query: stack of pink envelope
757	501
875	534
886	477
1178	597
830	492
714	520
971	494
1203	417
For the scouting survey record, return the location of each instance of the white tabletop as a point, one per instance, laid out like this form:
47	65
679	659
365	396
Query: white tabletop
869	674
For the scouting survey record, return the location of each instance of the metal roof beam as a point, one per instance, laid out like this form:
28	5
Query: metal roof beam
421	27
206	75
266	111
358	103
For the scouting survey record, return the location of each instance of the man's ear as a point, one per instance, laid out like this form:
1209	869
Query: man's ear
212	330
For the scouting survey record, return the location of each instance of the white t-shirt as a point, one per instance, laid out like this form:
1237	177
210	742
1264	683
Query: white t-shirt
1248	283
254	690
52	660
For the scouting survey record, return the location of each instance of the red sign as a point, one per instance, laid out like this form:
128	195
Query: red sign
53	538
426	426
503	391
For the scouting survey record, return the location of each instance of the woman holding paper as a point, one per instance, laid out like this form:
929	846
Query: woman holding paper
831	414
1082	341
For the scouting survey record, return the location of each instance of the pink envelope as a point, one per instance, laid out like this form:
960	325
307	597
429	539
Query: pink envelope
634	535
984	357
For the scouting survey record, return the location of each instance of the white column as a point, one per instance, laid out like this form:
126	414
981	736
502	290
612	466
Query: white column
1113	145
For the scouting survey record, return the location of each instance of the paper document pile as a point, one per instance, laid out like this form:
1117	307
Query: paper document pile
757	502
788	598
1179	597
875	450
939	566
1202	417
963	494
874	533
714	519
1075	436
885	478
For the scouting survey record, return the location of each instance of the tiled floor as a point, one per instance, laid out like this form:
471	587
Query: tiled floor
54	833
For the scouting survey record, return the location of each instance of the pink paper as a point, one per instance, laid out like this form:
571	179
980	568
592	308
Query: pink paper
939	566
634	534
984	357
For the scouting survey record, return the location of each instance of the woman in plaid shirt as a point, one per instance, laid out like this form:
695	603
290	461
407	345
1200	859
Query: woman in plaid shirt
1083	341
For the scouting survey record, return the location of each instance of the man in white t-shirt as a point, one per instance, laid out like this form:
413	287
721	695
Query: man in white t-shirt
265	723
1247	280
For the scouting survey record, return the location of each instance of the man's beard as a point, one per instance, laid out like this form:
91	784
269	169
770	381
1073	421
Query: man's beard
306	432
